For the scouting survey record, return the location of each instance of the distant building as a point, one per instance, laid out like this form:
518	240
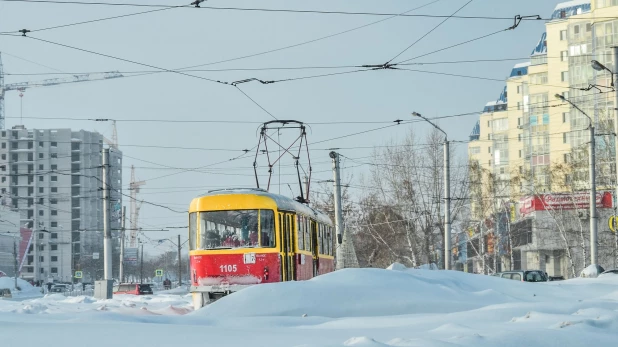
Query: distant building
53	177
529	148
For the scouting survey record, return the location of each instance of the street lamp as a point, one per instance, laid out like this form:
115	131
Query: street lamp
179	245
593	187
447	196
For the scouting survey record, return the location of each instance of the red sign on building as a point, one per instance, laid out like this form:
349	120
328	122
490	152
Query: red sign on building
563	201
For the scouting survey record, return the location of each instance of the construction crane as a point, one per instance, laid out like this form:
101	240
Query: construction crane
113	143
22	86
135	207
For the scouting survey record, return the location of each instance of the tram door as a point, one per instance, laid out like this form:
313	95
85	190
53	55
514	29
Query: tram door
285	234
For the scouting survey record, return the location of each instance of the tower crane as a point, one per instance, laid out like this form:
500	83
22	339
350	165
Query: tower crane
22	86
135	207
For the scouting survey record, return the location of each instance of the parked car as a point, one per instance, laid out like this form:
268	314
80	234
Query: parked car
5	293
59	288
609	272
133	288
524	275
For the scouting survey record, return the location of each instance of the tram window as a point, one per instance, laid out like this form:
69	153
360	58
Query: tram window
329	242
237	229
309	245
192	230
300	231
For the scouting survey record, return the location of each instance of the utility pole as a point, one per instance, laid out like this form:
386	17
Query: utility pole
121	265
340	263
179	264
107	235
447	195
15	259
141	266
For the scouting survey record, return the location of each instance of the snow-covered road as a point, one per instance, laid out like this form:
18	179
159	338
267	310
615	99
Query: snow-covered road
360	307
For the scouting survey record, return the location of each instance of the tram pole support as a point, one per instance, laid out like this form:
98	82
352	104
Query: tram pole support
179	263
121	264
340	262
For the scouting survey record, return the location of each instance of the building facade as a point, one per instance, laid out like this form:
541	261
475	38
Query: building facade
53	177
529	145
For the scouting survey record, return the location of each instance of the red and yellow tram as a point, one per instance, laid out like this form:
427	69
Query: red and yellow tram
243	237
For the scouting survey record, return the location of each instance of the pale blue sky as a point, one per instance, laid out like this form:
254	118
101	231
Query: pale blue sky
184	37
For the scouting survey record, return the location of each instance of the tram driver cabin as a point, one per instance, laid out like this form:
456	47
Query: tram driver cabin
244	237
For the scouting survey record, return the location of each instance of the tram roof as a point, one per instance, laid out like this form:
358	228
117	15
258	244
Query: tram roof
282	202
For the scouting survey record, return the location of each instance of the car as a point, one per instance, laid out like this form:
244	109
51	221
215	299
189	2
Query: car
609	272
5	293
133	288
59	288
523	275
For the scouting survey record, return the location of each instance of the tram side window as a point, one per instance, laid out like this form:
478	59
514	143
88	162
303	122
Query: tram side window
309	245
300	231
236	229
192	230
329	241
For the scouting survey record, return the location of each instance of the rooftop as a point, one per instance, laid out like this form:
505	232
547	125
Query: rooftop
571	8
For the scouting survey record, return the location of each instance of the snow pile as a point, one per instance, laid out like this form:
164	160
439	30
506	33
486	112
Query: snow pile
24	286
374	292
592	271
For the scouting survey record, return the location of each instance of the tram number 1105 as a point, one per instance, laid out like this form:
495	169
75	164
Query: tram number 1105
228	268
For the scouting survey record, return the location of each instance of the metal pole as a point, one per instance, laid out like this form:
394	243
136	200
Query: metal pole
447	207
615	49
107	235
121	266
179	264
15	259
482	247
340	263
593	193
141	267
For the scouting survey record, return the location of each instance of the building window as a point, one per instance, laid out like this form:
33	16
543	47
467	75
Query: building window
520	153
41	270
41	190
53	201
54	178
41	178
518	107
565	117
54	270
54	167
564	76
42	248
41	258
54	235
54	212
53	155
41	144
54	258
41	213
489	149
521	169
75	146
54	189
41	236
54	247
41	167
588	27
40	155
564	55
519	137
54	144
566	158
3	144
54	224
563	35
14	145
564	137
41	201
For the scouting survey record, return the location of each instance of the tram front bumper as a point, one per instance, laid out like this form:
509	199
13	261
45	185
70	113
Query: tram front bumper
219	288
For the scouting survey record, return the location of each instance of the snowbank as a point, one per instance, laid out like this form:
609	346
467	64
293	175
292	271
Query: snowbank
25	287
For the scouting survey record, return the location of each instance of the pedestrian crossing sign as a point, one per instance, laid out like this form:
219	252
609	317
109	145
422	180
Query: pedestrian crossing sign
159	273
78	274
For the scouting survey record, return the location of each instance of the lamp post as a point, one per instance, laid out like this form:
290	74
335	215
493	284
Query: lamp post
447	195
179	246
600	67
593	187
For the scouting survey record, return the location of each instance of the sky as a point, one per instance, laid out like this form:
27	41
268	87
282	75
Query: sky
193	114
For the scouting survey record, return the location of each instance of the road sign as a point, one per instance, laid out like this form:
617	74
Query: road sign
95	255
78	274
613	223
159	273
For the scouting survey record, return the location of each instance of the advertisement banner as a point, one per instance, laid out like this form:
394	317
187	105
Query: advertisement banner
563	201
130	256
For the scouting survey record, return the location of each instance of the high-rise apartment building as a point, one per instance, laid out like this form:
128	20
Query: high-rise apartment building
53	177
529	150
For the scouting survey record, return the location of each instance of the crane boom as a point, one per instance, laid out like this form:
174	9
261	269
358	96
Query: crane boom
21	86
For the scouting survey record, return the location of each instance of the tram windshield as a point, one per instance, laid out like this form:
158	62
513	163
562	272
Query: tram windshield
236	229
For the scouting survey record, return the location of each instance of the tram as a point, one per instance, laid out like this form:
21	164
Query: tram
243	237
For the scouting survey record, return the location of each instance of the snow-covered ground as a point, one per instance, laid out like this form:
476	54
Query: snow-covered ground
355	307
